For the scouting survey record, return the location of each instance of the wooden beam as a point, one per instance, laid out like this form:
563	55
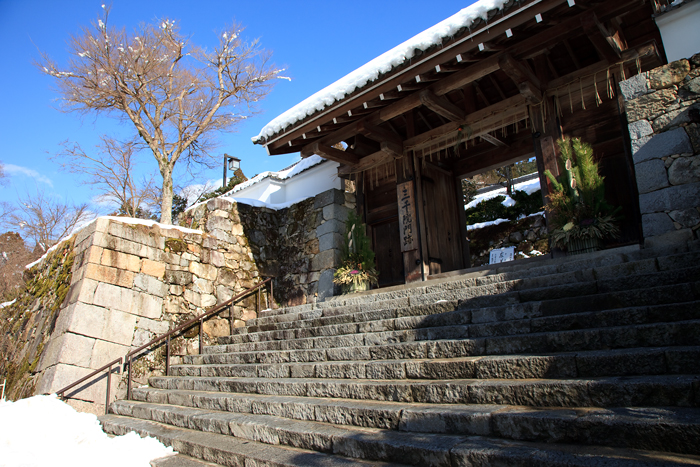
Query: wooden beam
528	84
480	93
391	148
377	133
331	153
373	160
493	140
599	35
441	106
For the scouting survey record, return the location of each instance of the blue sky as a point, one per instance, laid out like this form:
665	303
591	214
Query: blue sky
317	42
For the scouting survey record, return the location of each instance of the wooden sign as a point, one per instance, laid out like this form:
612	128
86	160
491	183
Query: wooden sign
408	233
502	255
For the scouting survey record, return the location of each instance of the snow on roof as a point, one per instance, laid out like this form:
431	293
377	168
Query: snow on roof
42	430
372	70
283	174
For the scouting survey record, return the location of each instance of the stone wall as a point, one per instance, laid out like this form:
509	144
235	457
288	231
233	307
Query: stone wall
27	324
663	111
129	281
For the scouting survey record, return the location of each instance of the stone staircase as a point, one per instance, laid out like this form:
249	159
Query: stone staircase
584	361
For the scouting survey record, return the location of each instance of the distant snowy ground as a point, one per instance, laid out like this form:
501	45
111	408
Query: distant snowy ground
528	187
43	431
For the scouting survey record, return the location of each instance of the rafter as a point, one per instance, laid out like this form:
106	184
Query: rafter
377	133
528	84
604	42
441	106
331	153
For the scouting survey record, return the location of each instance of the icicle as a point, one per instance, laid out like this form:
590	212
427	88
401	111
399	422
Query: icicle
403	165
543	111
622	71
598	100
571	102
558	105
609	83
639	65
580	85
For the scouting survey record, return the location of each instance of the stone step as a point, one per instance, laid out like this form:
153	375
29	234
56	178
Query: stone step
422	447
669	429
229	450
634	361
481	323
489	452
551	272
180	460
454	341
613	391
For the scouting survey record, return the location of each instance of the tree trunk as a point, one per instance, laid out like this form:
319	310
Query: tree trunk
166	204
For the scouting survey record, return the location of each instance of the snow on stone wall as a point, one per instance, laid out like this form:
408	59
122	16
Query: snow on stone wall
663	111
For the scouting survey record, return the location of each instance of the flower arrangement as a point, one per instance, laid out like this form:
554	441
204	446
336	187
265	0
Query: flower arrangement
357	271
577	207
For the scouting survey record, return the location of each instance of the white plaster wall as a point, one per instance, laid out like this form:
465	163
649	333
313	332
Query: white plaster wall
315	180
680	31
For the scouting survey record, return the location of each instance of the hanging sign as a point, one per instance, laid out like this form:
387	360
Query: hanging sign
407	217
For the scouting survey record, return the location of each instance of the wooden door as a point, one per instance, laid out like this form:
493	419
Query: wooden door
441	220
387	252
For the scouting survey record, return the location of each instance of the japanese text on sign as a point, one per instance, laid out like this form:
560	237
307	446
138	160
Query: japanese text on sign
407	216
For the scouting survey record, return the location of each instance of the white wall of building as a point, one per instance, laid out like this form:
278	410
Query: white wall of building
680	31
275	190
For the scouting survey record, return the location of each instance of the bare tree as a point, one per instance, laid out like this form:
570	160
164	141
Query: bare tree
47	219
176	96
111	171
14	255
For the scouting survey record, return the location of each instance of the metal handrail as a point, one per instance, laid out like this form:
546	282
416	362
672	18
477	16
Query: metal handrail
128	359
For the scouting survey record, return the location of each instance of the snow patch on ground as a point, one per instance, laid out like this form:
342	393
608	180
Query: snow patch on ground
380	65
43	431
3	305
528	187
481	225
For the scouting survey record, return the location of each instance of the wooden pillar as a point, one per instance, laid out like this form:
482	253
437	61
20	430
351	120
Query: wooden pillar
409	197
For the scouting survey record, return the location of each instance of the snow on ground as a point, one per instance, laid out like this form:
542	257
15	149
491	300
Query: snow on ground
43	431
380	65
3	305
481	225
528	187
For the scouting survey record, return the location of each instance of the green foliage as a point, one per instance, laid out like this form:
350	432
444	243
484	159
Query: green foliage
179	205
493	208
358	257
233	181
577	207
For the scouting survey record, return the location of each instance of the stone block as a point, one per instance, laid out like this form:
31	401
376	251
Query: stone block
649	106
217	258
669	239
111	296
333	225
651	175
332	196
639	129
104	352
146	305
673	118
330	241
216	327
222	236
656	224
335	211
203	286
664	144
684	170
101	323
59	376
693	131
326	286
152	325
326	260
634	87
93	255
223	293
178	277
669	75
68	348
110	275
686	217
219	203
637	144
84	233
175	305
153	268
673	198
205	271
210	242
227	277
82	291
150	284
220	223
135	233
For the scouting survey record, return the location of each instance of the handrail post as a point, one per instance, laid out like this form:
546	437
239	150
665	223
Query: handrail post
201	335
272	295
128	381
167	357
109	388
257	306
